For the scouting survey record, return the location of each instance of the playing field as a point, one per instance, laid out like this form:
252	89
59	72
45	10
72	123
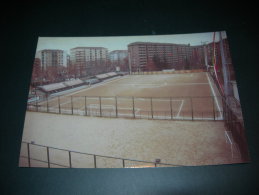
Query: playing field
85	141
191	96
174	142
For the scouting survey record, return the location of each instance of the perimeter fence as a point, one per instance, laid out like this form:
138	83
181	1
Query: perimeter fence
164	108
235	125
233	120
35	155
169	71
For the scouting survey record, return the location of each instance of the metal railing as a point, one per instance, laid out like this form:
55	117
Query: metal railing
165	108
49	161
234	121
235	125
167	72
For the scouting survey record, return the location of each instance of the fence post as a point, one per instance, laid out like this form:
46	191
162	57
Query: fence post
224	108
231	119
123	163
94	161
37	105
100	103
151	102
85	107
48	157
133	104
70	162
29	157
191	107
47	104
171	107
116	104
72	108
213	102
59	105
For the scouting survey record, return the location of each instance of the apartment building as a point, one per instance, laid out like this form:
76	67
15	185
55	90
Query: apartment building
89	60
52	58
144	56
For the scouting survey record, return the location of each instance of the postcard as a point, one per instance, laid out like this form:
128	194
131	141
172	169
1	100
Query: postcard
133	102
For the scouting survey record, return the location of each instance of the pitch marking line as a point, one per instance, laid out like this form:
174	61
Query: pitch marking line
180	109
231	143
213	92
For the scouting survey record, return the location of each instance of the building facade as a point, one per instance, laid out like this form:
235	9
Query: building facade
89	60
148	56
144	56
119	60
52	58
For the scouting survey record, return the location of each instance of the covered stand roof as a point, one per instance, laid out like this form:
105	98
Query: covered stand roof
62	85
52	87
73	82
106	75
102	76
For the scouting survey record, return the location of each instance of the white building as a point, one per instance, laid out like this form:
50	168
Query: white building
88	55
52	57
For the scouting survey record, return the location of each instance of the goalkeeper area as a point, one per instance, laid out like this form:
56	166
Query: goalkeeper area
188	96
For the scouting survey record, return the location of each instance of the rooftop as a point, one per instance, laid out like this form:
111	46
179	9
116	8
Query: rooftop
153	43
88	48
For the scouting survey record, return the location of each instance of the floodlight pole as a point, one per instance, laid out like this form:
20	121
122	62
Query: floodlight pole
225	68
205	54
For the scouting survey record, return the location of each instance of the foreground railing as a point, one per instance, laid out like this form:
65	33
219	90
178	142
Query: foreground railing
50	159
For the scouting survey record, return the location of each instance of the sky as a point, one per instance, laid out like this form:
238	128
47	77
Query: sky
121	42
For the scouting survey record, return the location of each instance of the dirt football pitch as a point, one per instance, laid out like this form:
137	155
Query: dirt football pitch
200	140
174	96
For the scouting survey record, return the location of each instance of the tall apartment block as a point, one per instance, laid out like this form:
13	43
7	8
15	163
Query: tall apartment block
50	58
89	60
143	54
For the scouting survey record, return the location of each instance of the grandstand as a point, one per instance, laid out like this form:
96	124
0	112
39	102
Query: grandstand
106	75
74	83
70	84
57	87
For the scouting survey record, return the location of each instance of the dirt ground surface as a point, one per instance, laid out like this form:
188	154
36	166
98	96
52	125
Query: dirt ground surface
178	96
173	142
